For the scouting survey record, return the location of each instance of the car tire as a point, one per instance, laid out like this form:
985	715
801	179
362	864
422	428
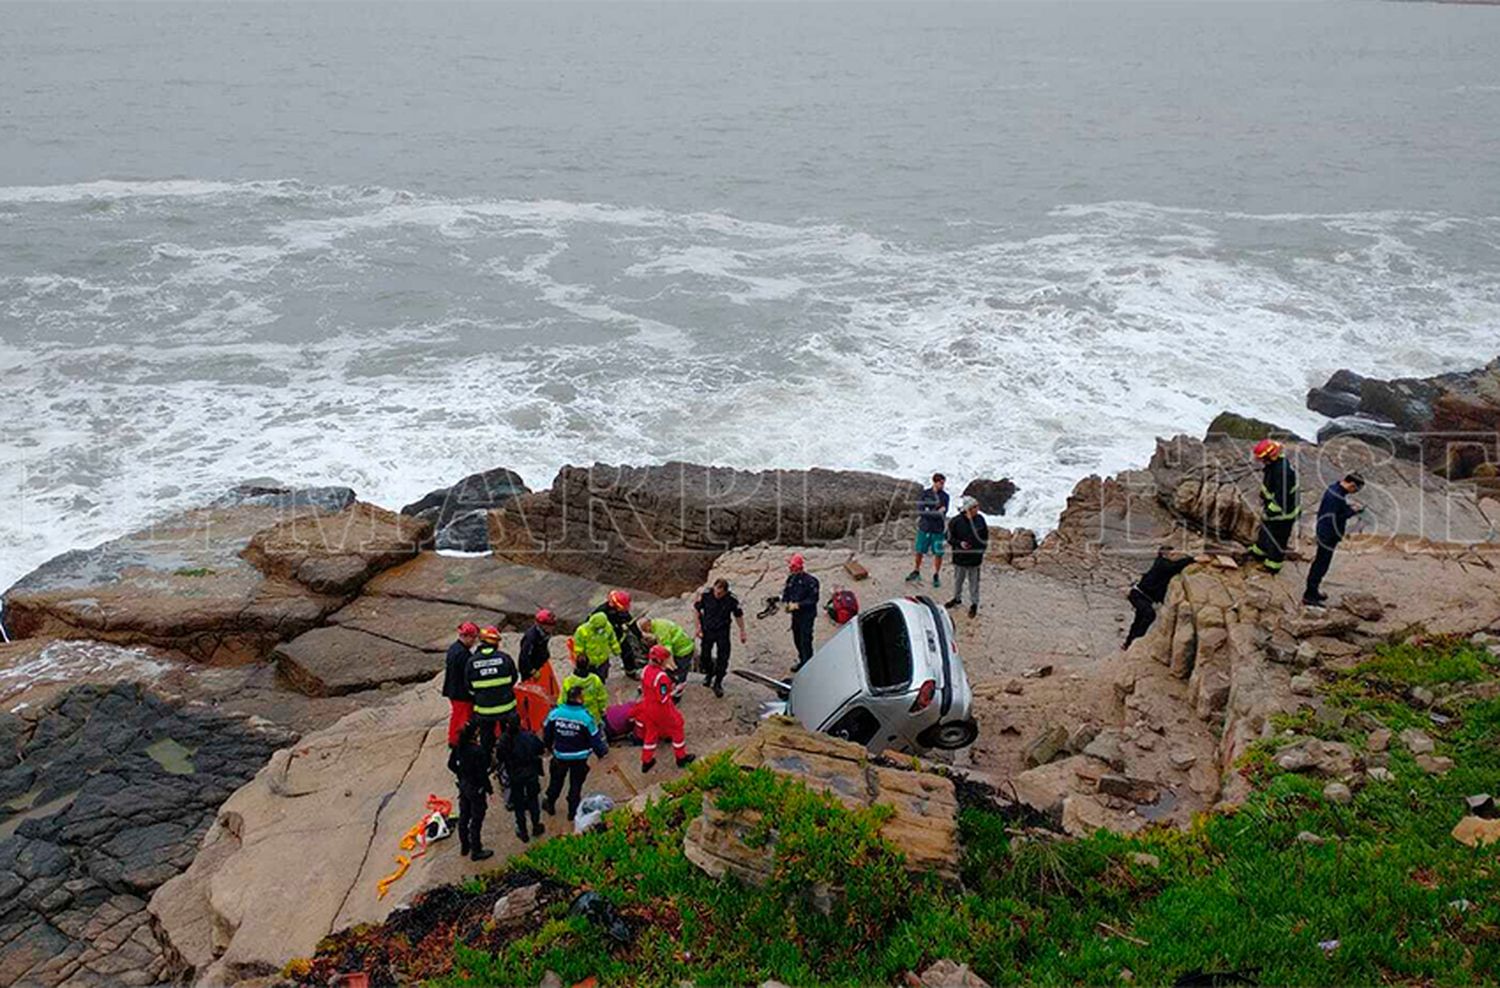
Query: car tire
950	736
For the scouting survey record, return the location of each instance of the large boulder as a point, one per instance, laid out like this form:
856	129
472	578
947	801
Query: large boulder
1420	418
661	527
221	584
992	495
487	586
1211	490
336	553
1339	396
110	791
924	808
1231	425
457	513
1377	433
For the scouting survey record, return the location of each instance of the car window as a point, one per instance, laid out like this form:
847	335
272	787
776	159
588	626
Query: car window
857	725
887	648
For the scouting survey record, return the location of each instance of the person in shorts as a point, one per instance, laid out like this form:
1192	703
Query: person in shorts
932	522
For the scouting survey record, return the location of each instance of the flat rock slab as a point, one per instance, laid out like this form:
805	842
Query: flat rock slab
221	584
924	825
490	584
179	584
337	553
425	625
334	661
296	853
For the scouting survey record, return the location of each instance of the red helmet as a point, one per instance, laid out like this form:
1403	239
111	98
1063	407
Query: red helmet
545	616
796	563
619	600
1267	449
468	628
490	634
659	653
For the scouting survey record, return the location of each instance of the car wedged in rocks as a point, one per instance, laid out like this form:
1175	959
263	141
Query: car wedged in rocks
889	679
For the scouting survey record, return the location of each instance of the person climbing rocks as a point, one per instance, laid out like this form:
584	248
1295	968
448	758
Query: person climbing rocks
658	712
469	760
491	677
1280	508
520	753
595	693
713	612
539	689
670	634
969	534
455	686
597	640
571	735
616	608
1151	589
932	522
800	598
1334	512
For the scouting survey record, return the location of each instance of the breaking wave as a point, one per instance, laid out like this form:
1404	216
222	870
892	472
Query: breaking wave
162	339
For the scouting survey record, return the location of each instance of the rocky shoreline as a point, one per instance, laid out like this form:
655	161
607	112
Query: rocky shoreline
155	795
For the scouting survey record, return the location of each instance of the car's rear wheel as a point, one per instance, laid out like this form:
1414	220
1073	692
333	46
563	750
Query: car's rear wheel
949	736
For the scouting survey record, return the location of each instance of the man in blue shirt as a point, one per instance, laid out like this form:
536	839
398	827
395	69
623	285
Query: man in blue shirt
1334	513
932	522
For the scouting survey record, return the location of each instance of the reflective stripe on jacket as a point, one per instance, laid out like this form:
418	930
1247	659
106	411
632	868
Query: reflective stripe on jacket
492	679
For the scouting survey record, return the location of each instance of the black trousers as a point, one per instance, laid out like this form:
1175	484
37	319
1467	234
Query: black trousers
1145	615
526	800
573	772
1272	540
715	656
472	803
1319	569
802	636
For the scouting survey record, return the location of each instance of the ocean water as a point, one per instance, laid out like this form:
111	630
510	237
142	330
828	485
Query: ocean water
391	244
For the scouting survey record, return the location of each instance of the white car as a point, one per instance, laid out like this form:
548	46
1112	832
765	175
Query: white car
890	678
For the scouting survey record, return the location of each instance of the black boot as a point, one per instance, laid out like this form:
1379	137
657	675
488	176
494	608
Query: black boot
973	609
686	760
522	835
537	829
953	603
482	854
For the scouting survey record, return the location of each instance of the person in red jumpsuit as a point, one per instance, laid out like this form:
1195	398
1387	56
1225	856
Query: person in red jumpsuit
658	710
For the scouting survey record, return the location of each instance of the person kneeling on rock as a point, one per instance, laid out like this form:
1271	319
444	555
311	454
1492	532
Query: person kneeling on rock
520	753
571	734
659	714
470	762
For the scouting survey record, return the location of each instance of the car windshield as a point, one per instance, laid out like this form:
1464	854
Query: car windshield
887	647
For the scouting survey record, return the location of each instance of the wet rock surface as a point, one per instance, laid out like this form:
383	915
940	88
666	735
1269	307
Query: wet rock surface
457	513
661	527
106	794
221	584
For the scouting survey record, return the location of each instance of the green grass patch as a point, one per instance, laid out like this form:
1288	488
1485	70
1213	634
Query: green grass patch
1236	892
193	571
